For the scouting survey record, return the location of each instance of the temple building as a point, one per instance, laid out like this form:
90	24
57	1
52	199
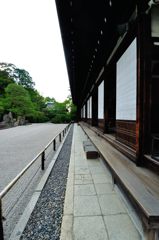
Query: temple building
112	55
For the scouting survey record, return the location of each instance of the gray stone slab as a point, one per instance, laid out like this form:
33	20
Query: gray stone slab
67	228
137	222
68	206
83	179
90	148
120	227
79	153
124	199
84	190
81	170
89	228
93	162
91	152
104	166
80	162
104	188
101	178
111	204
82	176
86	205
96	170
87	143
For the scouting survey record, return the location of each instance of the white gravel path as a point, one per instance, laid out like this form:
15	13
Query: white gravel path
19	145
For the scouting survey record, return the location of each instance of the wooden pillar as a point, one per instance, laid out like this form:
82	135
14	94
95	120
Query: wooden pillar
151	234
143	85
110	98
86	112
101	122
78	116
95	107
106	101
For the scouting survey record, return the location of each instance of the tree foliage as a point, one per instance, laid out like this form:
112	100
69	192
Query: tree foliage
20	76
17	100
23	78
63	112
37	100
1	107
19	96
5	79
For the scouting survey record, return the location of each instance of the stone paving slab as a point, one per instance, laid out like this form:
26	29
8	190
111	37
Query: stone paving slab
116	225
98	213
85	190
83	179
86	205
104	188
89	228
81	170
101	178
96	170
66	229
111	204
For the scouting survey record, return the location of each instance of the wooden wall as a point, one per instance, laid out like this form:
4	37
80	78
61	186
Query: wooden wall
126	133
101	124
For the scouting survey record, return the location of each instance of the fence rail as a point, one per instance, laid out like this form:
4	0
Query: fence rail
15	180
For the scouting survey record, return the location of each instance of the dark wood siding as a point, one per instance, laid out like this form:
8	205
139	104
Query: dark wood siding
126	132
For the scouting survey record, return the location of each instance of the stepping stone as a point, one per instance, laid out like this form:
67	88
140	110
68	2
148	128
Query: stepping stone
91	151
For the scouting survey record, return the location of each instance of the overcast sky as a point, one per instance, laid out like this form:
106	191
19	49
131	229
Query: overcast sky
30	38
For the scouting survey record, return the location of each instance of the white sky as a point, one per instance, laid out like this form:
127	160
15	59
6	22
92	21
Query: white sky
30	38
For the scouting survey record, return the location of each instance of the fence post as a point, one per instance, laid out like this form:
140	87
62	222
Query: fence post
1	221
43	160
60	137
54	144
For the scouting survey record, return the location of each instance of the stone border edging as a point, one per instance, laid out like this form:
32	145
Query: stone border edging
67	220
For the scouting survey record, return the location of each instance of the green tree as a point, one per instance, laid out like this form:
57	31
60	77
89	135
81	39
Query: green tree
18	101
72	109
18	95
73	112
8	67
5	79
22	77
1	109
63	112
37	100
48	99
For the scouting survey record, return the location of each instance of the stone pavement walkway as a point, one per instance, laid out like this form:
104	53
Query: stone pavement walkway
93	210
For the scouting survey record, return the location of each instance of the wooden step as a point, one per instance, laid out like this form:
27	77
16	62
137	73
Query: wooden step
90	150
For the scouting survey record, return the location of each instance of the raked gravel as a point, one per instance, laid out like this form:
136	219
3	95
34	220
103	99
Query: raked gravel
46	218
